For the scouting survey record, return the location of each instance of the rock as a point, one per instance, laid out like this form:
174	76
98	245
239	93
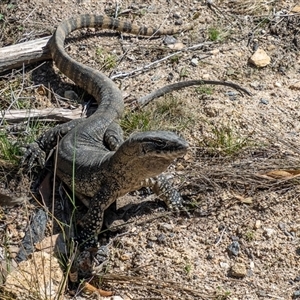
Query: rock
33	235
178	22
209	256
166	227
176	15
150	244
194	62
271	47
47	244
277	84
238	270
71	95
152	238
296	294
169	40
83	1
259	86
260	58
224	265
41	275
257	224
295	86
264	101
161	238
232	95
205	76
268	232
297	279
234	248
214	51
176	46
282	226
115	298
13	251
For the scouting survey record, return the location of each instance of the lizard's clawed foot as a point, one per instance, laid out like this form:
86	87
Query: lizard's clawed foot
32	154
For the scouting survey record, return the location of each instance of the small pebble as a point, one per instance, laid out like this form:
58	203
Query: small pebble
221	227
82	47
257	224
282	226
170	76
194	62
169	40
116	298
161	238
103	251
209	256
176	46
268	232
224	265
277	84
297	279
166	227
206	76
296	294
234	248
150	244
214	51
238	270
232	95
176	15
152	238
155	78
264	101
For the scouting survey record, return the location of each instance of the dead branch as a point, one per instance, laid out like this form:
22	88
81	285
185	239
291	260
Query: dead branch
147	67
47	114
17	55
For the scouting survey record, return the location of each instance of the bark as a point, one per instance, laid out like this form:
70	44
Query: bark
14	56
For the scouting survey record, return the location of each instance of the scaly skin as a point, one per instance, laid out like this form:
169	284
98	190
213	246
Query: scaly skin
91	153
135	164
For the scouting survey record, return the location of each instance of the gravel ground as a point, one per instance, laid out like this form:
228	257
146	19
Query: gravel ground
242	239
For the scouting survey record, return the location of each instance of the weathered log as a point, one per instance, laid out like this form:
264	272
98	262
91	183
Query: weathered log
47	114
15	56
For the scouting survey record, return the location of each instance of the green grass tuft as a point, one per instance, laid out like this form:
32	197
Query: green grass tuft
167	113
225	140
215	34
9	149
107	60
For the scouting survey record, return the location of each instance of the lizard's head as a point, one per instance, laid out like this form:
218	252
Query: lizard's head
151	152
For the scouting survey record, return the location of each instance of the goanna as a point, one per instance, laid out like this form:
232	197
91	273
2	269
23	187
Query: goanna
91	153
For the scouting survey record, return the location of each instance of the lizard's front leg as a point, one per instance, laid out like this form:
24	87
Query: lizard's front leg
90	225
46	142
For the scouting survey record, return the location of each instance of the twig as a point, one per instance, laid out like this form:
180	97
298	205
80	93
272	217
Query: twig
141	69
220	238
